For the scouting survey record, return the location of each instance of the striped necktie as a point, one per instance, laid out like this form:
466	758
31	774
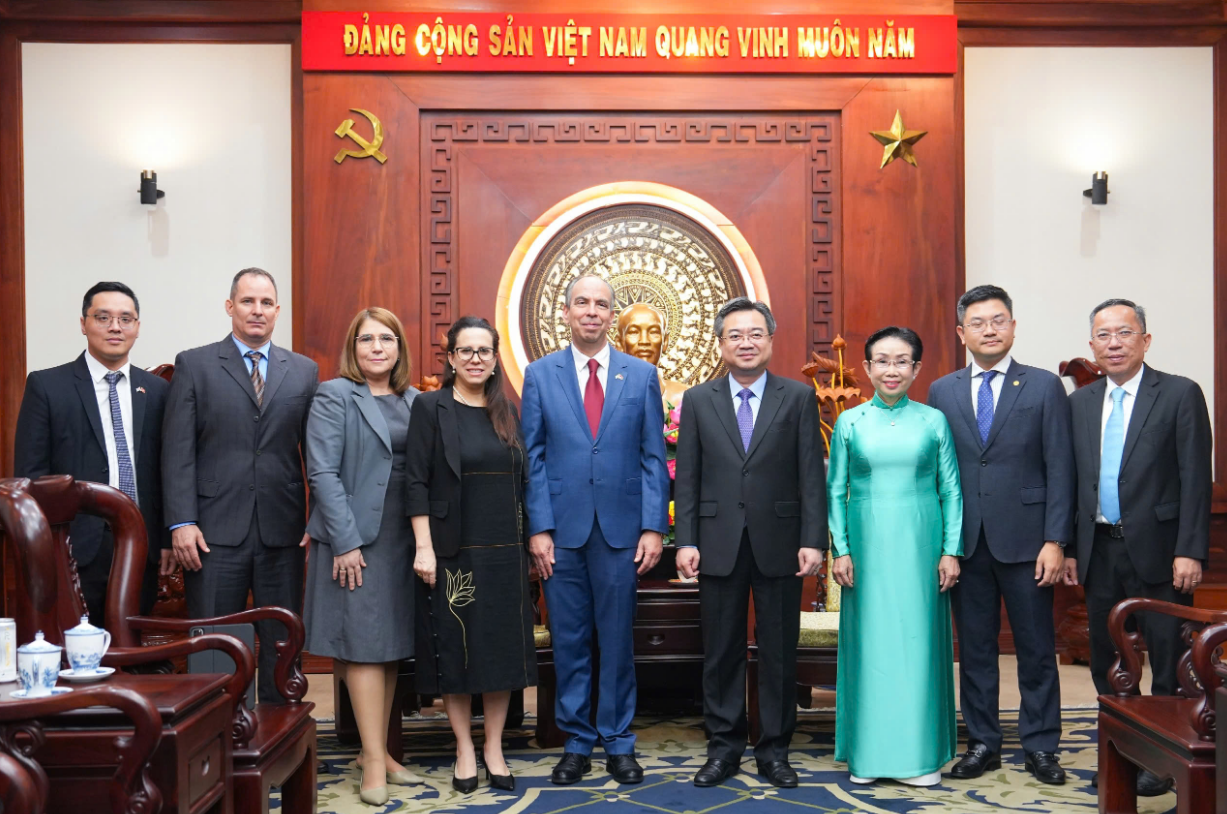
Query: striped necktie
127	477
257	381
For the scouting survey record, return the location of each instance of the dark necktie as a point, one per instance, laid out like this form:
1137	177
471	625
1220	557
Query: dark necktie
594	397
745	418
984	405
257	381
127	478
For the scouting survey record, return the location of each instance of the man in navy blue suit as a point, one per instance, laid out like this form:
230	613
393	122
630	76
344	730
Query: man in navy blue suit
1011	427
598	507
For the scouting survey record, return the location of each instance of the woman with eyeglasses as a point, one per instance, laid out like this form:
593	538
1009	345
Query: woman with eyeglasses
896	518
466	492
356	608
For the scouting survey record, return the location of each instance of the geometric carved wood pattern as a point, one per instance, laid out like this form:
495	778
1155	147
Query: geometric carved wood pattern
443	132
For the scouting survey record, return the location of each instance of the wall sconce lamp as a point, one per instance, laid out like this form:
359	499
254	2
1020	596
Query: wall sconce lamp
149	188
1098	193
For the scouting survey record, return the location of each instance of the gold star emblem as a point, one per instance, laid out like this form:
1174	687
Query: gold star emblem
898	142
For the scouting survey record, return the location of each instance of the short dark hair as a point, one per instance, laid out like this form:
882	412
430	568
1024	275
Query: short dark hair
118	288
234	284
983	293
743	304
894	332
1137	309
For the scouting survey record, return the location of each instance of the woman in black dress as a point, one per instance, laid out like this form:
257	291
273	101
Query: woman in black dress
465	487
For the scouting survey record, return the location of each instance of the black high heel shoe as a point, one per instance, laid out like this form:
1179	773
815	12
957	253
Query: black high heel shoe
502	782
465	785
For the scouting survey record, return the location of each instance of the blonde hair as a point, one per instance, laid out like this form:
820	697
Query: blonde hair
399	380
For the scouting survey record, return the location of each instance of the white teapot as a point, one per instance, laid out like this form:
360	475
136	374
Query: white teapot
86	645
38	666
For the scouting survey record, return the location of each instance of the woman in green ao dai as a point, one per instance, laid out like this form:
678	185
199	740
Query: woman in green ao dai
896	518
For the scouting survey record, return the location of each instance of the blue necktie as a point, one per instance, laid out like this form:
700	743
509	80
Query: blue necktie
984	405
745	418
127	479
1110	459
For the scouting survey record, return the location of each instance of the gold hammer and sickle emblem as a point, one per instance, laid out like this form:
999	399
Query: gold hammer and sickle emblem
369	148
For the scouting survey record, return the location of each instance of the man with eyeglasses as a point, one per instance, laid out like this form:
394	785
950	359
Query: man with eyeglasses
1011	427
99	418
236	499
1143	444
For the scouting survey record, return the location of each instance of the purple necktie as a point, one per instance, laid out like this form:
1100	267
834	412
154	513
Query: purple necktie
984	405
745	417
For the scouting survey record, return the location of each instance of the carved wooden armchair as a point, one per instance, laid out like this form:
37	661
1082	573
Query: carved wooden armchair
21	734
273	744
1171	736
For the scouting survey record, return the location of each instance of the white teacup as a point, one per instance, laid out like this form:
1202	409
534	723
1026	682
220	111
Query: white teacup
38	666
86	646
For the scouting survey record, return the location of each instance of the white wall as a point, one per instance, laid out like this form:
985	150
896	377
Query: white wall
214	122
1039	121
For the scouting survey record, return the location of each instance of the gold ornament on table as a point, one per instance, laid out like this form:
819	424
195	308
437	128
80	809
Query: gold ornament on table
898	142
838	393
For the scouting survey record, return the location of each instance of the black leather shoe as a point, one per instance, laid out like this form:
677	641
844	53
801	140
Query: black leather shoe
1045	767
778	773
977	760
502	782
714	772
1150	785
624	768
571	769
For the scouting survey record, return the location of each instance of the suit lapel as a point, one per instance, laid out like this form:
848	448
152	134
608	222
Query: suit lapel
450	430
1148	392
278	364
138	415
89	399
963	377
369	410
773	397
1005	403
1094	418
722	402
568	380
615	379
233	364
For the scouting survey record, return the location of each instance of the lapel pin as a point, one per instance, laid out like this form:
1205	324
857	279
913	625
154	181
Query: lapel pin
140	390
1016	382
618	377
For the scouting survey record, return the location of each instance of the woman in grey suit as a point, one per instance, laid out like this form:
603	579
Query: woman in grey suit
357	608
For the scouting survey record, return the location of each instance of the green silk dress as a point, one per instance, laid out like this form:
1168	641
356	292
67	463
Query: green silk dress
897	508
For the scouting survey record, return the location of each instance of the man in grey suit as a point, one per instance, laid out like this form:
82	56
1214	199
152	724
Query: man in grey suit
1143	446
232	467
1011	432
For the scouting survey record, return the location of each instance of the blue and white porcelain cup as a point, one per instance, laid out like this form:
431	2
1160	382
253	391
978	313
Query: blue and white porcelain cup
86	646
38	666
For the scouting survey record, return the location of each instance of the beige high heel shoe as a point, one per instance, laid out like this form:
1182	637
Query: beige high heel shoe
404	778
377	796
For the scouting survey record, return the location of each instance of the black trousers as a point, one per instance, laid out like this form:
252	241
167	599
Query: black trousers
724	604
1110	578
273	576
983	582
97	573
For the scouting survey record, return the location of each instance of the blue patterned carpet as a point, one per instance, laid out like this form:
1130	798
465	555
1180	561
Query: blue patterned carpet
671	750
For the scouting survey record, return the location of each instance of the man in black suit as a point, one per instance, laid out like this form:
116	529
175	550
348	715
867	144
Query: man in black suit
1143	446
750	500
233	471
1011	431
99	419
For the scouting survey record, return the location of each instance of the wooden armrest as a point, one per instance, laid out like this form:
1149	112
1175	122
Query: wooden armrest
1126	673
21	791
132	790
244	727
287	675
1204	647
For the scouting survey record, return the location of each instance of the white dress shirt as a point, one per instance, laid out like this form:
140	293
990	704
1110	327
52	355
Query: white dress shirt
1131	397
757	387
977	381
102	390
581	367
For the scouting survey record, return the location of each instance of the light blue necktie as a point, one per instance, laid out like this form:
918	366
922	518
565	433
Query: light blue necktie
127	478
984	405
1110	459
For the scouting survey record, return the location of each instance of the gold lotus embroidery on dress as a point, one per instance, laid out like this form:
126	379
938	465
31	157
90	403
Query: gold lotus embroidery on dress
460	593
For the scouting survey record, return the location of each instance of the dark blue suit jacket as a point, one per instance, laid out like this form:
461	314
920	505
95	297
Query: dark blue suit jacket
619	477
1020	484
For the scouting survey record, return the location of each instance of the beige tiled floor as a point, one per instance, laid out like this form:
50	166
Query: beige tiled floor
1076	688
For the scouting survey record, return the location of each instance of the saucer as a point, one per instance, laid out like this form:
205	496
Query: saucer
96	675
19	694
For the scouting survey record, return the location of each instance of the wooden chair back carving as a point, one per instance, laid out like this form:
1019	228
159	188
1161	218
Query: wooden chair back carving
1083	371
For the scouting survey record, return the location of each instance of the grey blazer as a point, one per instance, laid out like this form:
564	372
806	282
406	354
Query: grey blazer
224	457
349	460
